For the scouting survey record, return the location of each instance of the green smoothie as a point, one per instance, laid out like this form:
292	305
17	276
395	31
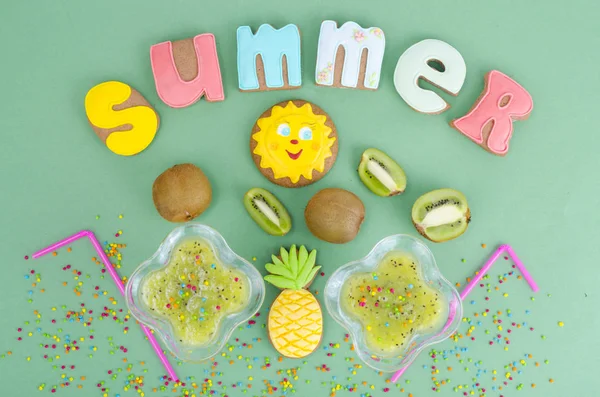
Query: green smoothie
393	303
194	292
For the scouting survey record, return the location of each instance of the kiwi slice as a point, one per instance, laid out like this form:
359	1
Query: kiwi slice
267	212
381	174
441	215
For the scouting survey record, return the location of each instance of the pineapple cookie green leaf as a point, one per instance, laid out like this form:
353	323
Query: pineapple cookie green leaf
302	256
294	260
312	274
309	264
295	270
284	256
281	282
277	261
279	271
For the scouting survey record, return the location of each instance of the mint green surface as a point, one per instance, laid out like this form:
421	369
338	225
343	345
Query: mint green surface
542	198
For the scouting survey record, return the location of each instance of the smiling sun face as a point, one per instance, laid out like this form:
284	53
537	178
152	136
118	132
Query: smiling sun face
293	141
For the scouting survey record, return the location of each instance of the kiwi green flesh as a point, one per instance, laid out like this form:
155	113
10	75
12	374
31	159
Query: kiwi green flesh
381	174
267	212
449	214
446	232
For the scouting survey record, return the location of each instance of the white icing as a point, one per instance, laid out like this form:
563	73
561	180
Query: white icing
354	39
382	175
441	216
412	66
267	211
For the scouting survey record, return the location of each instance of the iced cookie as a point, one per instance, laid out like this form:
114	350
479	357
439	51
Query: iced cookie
436	62
295	320
294	143
121	117
269	59
489	123
186	70
349	56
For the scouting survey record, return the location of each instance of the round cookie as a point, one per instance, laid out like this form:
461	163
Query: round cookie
294	143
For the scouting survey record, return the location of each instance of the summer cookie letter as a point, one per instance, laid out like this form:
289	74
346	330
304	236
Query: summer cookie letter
270	59
490	122
294	143
185	70
121	117
349	51
415	64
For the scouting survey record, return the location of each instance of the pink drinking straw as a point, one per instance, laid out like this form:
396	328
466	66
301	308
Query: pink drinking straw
469	287
115	276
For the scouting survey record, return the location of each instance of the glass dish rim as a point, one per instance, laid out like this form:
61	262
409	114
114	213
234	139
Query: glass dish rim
332	295
228	324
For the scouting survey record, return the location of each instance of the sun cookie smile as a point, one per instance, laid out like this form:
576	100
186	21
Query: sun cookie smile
294	156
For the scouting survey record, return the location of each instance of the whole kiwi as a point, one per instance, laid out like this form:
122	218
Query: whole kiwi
334	215
181	193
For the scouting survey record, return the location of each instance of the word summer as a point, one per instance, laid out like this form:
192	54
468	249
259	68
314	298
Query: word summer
348	56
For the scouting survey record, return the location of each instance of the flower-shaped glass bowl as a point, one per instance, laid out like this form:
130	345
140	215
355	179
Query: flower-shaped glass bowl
160	325
431	275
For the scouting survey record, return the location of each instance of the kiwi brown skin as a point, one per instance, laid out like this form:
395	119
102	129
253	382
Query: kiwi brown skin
181	193
422	231
334	215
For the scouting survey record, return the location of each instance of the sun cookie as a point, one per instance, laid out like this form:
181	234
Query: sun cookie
294	143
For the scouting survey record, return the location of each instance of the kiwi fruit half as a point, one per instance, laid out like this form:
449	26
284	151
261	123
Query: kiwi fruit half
181	193
267	212
441	215
381	174
334	215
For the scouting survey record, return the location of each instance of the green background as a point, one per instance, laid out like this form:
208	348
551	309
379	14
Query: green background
541	198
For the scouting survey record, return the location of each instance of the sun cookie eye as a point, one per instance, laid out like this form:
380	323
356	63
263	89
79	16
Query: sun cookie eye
305	133
283	129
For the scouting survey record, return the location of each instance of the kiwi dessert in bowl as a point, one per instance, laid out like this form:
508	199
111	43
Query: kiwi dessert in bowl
194	291
394	302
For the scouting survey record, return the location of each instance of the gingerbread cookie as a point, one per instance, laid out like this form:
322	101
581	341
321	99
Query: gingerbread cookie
121	117
185	70
489	123
295	322
349	56
294	143
270	59
418	63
